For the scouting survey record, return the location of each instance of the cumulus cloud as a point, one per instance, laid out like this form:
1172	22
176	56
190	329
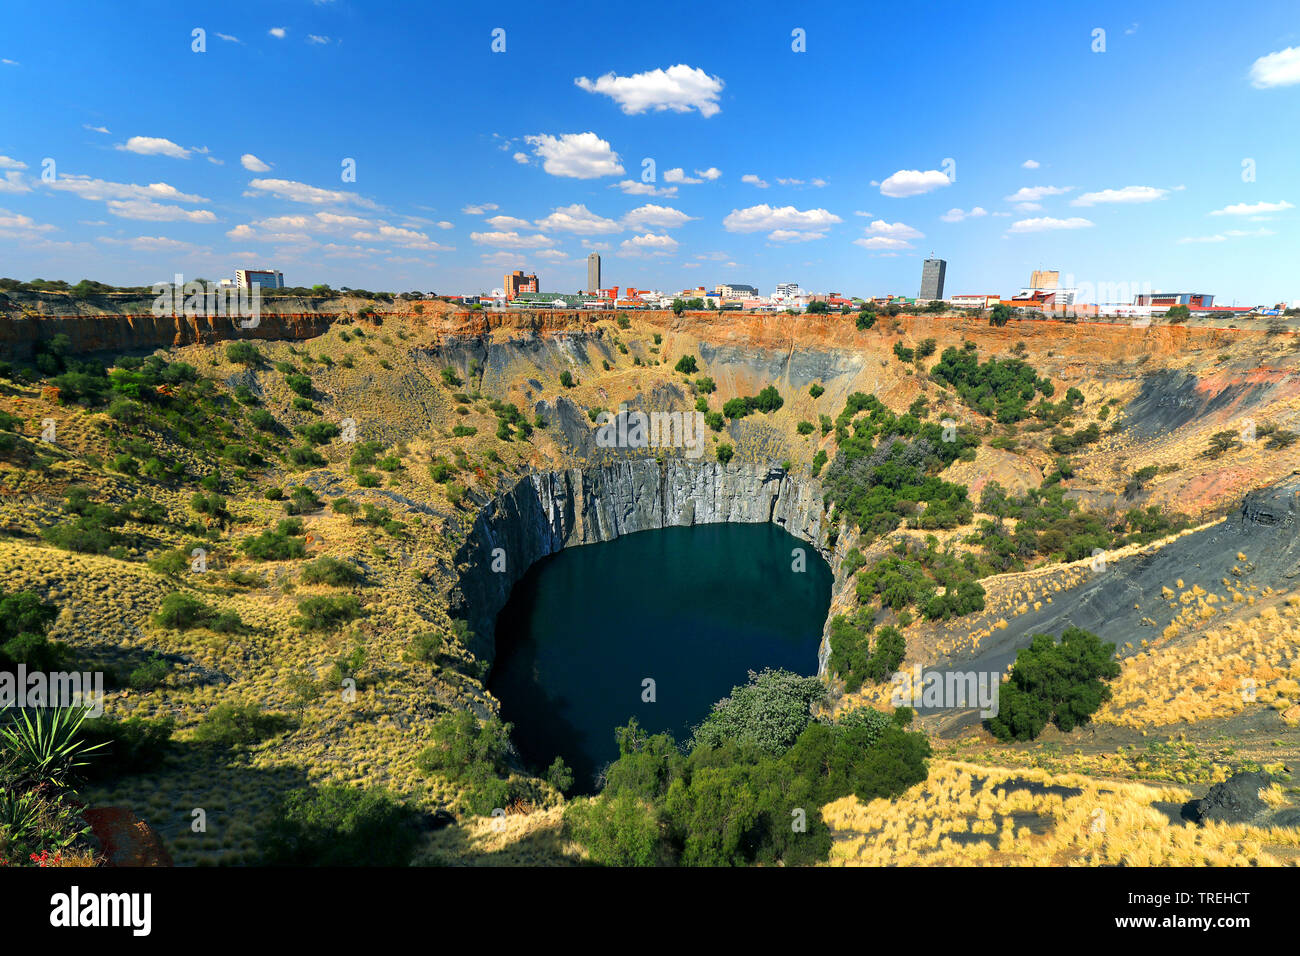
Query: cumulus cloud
520	158
1276	69
97	189
753	180
157	212
882	242
16	225
253	164
508	222
679	88
155	146
913	182
304	193
576	155
1047	223
480	208
957	215
794	235
634	187
665	217
13	183
148	243
895	230
1128	194
1030	164
511	240
8	162
678	175
710	174
1252	209
578	218
1035	193
277	32
649	244
765	218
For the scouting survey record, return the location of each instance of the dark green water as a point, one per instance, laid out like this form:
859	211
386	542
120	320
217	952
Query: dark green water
694	609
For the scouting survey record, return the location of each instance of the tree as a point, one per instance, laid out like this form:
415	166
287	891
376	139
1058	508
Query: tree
818	308
686	365
1062	683
1178	313
1001	315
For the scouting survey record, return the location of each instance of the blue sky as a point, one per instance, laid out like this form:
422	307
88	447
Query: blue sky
838	167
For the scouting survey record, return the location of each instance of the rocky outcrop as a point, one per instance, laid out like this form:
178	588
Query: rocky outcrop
1235	800
548	511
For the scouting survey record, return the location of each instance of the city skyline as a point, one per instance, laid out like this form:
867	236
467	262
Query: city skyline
672	157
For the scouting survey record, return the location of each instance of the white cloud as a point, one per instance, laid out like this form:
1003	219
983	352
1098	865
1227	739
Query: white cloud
479	209
710	174
794	235
864	214
895	230
788	182
1129	194
95	129
8	162
680	88
7	62
1028	206
253	164
1030	164
444	224
228	38
1046	223
157	212
508	222
634	188
576	155
155	146
913	182
94	189
1252	209
1276	69
148	243
16	224
511	240
1230	234
302	192
578	218
753	180
317	39
407	238
765	218
678	175
665	217
649	244
277	32
882	242
13	183
520	158
957	215
1035	193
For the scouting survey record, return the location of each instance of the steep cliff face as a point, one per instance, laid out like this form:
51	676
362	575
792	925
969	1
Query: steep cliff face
547	511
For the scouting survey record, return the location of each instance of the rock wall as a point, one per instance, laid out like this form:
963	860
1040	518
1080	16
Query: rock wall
547	511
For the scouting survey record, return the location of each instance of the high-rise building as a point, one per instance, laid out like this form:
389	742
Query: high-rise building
517	282
593	272
932	275
263	278
1044	279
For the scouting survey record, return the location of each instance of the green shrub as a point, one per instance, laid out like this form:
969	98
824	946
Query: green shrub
326	613
1062	683
240	725
331	571
337	825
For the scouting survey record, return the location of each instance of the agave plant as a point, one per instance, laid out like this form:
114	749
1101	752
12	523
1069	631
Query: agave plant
44	748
